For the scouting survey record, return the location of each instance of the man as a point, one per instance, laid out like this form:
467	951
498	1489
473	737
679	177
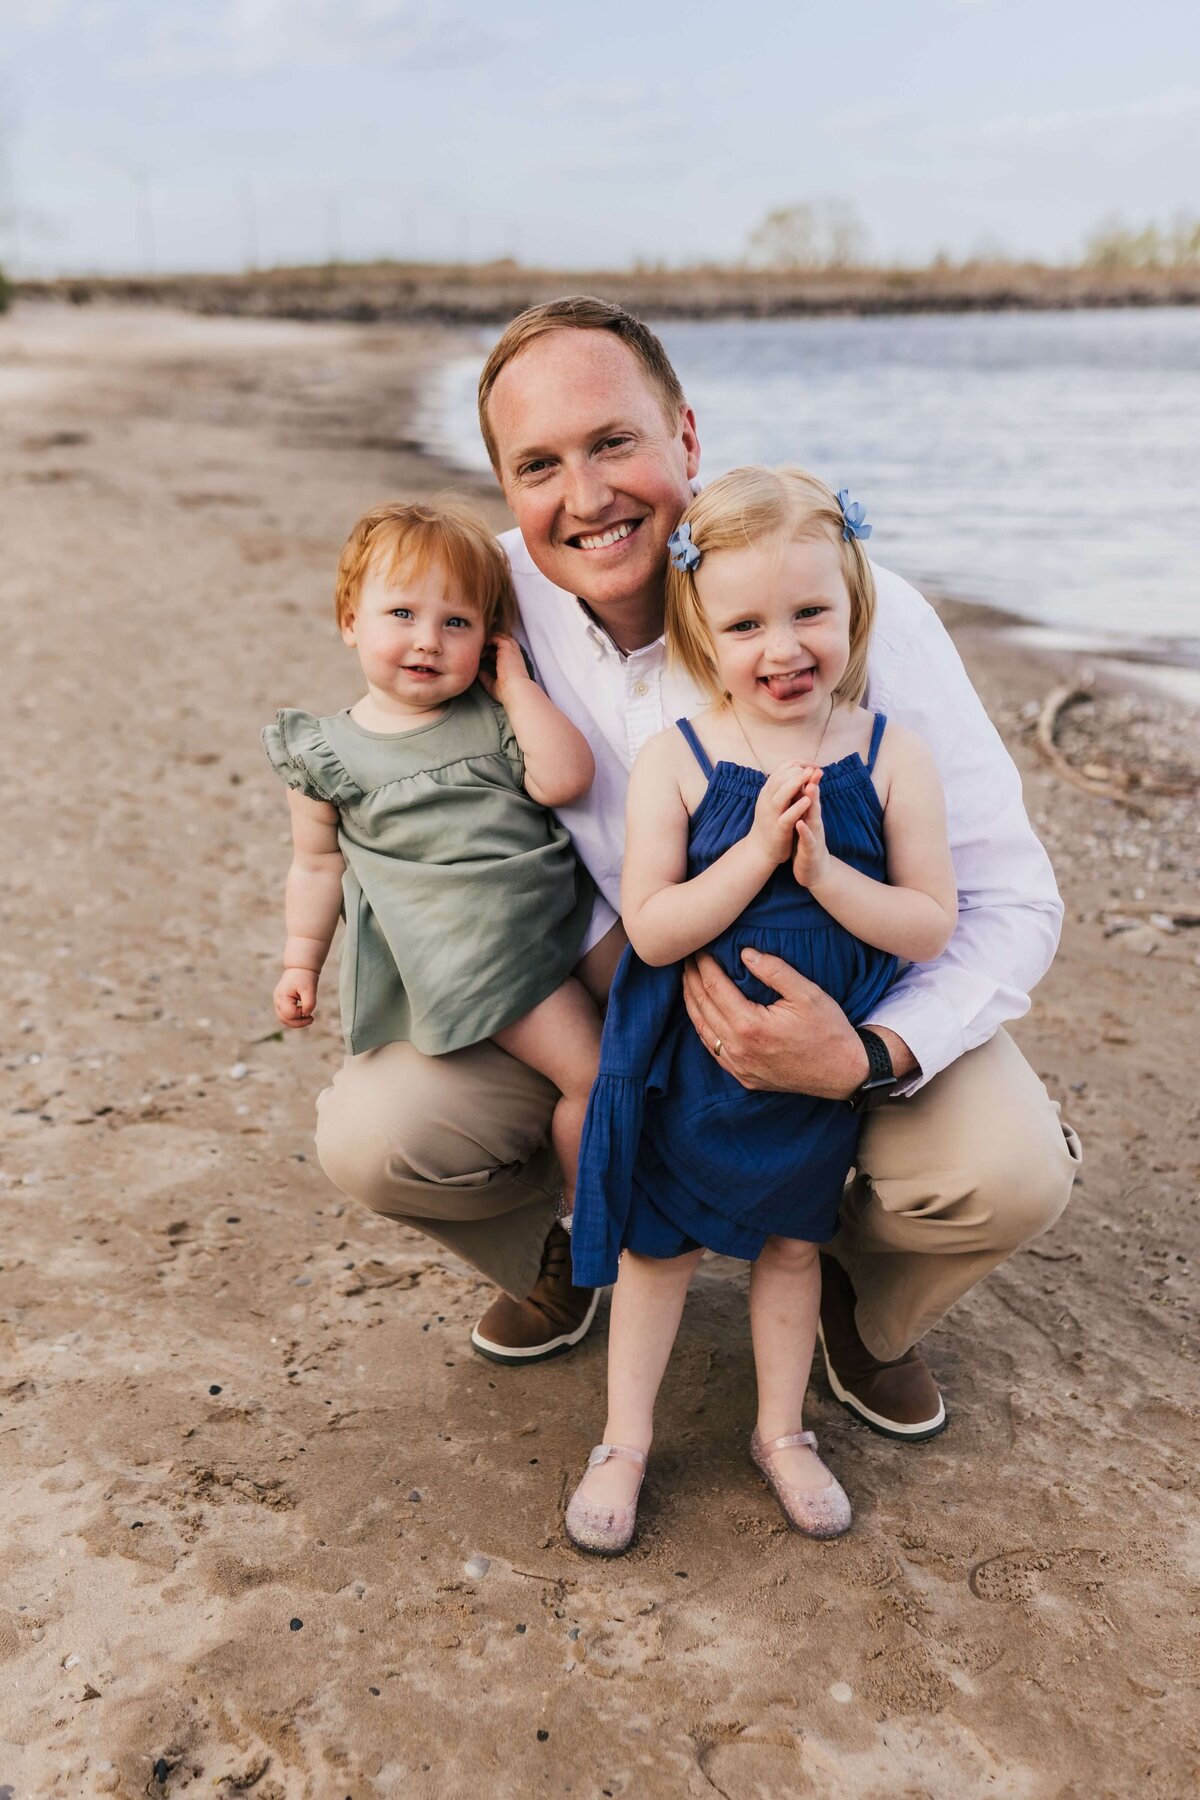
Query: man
962	1157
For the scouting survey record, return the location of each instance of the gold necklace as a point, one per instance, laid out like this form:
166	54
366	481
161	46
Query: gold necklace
754	754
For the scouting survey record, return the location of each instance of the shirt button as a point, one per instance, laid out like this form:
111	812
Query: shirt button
640	689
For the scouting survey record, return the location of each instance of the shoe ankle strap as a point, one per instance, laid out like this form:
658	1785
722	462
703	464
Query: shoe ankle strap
602	1452
790	1440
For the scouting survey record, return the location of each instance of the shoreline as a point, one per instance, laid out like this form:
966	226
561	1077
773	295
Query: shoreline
273	1529
490	294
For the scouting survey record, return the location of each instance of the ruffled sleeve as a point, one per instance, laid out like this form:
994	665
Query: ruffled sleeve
303	758
508	743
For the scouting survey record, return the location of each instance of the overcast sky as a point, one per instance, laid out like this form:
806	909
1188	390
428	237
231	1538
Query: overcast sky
213	133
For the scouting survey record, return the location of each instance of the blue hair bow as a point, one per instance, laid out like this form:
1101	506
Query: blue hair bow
684	554
854	516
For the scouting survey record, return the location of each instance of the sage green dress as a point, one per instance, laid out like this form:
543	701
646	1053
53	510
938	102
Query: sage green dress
464	903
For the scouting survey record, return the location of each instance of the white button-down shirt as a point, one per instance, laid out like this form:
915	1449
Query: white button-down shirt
1009	913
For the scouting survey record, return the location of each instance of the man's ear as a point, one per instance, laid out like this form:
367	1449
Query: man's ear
691	442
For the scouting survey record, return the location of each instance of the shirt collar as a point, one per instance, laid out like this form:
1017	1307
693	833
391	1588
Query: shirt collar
603	644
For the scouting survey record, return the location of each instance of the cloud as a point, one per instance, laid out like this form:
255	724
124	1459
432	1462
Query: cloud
257	37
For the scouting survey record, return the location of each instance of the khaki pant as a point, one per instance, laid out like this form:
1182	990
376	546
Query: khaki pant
949	1183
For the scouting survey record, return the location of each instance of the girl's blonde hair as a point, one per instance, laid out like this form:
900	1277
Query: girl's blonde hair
407	538
742	508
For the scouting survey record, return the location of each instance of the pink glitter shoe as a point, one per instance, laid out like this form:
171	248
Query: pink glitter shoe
604	1530
817	1512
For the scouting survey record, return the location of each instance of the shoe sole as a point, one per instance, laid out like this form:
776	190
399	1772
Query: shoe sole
889	1428
504	1353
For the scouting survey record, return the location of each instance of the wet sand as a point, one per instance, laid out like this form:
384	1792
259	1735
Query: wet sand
246	1454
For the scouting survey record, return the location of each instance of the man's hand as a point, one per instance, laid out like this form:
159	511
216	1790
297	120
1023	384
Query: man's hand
296	997
801	1044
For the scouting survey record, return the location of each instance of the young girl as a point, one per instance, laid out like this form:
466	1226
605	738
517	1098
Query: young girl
420	812
773	821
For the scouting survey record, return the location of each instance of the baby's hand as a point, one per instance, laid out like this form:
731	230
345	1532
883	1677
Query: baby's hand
296	997
510	665
781	804
810	861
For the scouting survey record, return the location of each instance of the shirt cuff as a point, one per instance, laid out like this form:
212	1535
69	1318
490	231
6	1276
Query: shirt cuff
930	1028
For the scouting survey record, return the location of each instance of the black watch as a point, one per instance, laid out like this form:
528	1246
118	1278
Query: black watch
880	1073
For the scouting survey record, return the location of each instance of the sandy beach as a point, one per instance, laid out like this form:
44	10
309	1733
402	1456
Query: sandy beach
270	1527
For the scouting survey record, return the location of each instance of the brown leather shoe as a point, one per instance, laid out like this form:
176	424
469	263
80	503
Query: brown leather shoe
897	1399
550	1320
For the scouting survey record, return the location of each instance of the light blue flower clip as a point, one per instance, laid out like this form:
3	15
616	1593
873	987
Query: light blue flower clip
684	554
854	516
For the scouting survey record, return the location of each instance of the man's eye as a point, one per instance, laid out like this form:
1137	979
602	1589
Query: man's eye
615	443
537	467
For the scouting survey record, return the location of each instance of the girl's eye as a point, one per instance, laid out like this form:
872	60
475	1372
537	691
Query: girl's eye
809	612
743	626
400	612
465	623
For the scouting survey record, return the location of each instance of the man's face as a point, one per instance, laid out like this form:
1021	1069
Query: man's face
595	472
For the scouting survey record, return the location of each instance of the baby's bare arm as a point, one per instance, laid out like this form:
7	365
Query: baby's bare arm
312	905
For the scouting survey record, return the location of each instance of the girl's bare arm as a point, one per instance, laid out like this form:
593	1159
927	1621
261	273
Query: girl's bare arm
667	916
913	914
559	766
312	905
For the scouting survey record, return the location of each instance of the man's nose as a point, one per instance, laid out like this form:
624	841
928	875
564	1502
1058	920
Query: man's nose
586	494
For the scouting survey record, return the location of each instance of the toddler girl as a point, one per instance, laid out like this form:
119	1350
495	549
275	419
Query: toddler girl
772	821
421	814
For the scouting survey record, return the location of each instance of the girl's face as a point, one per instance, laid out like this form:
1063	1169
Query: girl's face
419	643
779	614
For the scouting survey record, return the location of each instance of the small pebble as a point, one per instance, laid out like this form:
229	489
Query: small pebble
543	1737
521	1630
414	1493
137	1525
573	1634
296	1624
476	1566
302	1281
842	1693
162	1769
234	1219
215	1388
239	1071
372	1690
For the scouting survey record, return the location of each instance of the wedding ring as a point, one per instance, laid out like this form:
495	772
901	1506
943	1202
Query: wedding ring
717	1047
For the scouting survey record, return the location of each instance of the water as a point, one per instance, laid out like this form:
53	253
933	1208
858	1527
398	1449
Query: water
1047	463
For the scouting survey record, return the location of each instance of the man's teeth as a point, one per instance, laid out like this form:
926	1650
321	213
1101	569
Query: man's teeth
605	537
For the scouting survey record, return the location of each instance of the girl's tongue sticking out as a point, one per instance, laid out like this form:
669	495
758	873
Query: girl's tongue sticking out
790	686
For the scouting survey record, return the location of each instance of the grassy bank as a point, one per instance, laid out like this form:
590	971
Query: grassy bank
491	293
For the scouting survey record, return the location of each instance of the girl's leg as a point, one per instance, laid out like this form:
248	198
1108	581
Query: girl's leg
785	1298
647	1305
561	1040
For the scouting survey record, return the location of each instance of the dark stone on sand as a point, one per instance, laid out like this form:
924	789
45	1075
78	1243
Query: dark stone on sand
162	1769
295	1624
521	1630
215	1388
372	1690
543	1737
414	1494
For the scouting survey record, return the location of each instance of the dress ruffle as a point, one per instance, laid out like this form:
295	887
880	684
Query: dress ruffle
303	757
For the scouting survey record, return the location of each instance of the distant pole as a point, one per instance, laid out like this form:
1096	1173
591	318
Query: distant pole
249	226
333	222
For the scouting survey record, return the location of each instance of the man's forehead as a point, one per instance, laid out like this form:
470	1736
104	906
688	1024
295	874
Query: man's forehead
567	380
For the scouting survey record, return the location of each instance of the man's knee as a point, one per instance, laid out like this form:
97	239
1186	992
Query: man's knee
1025	1183
359	1155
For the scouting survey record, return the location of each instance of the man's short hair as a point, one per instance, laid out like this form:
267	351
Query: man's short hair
580	312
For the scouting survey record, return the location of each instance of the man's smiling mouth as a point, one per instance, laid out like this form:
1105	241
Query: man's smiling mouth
600	540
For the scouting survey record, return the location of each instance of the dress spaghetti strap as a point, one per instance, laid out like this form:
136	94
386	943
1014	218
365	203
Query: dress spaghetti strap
697	747
876	735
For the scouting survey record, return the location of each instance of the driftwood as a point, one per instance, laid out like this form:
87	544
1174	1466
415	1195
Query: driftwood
1098	779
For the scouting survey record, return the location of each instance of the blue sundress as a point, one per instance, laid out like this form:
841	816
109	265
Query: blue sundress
676	1154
